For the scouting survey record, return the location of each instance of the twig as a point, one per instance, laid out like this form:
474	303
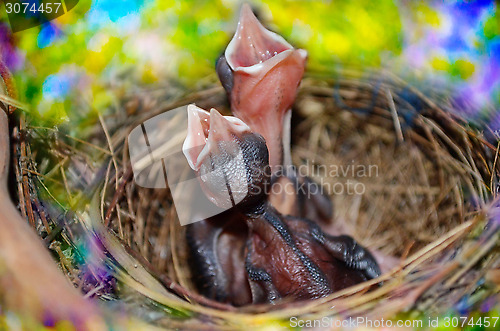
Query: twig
395	117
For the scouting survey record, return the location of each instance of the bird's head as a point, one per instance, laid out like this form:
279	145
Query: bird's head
231	161
261	72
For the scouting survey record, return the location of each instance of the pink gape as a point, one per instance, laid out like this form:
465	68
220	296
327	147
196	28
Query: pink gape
212	149
261	73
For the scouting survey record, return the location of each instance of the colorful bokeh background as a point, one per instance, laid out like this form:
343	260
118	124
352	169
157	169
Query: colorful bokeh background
74	58
73	68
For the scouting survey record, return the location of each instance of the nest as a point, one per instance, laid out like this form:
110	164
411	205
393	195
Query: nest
425	202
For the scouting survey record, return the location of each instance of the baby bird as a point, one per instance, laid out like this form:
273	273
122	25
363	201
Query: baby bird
261	72
252	253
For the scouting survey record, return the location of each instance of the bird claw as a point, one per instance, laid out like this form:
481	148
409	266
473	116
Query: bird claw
354	255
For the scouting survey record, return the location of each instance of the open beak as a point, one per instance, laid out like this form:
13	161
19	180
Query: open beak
261	73
206	132
212	149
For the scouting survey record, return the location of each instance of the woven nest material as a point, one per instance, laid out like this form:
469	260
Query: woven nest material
428	206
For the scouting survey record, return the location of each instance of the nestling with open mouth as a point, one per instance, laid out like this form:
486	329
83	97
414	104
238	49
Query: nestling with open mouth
252	253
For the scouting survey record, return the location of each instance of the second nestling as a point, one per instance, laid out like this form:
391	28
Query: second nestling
275	255
263	247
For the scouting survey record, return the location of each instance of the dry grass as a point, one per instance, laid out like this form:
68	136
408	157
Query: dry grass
426	207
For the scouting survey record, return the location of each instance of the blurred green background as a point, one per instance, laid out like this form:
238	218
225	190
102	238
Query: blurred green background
68	64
